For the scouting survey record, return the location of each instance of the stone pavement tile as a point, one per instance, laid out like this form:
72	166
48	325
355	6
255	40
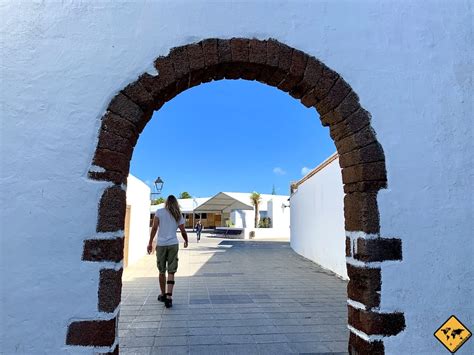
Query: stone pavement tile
176	323
204	339
233	349
152	312
237	339
338	346
205	331
169	317
127	319
128	312
124	326
202	323
253	315
134	351
309	347
143	332
150	318
136	342
291	329
271	349
165	331
225	316
265	329
198	300
145	325
305	337
125	307
270	338
171	340
168	350
341	335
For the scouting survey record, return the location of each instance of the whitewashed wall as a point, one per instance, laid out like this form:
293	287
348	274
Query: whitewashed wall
317	219
242	218
280	215
62	62
138	198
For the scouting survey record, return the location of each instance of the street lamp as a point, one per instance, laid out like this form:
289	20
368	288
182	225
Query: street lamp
158	187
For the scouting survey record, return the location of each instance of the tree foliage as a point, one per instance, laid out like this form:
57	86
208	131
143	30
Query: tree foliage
157	201
184	194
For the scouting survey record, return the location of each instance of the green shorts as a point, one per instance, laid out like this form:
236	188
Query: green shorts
167	258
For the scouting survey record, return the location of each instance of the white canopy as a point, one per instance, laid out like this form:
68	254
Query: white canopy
226	201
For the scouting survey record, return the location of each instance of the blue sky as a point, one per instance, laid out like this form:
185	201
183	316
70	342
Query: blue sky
230	135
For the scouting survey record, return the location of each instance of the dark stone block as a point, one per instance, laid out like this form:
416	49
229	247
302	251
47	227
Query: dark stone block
179	58
364	172
112	210
139	95
346	108
365	186
361	212
126	108
111	141
338	92
284	55
110	289
352	124
112	161
119	126
364	285
92	333
112	176
103	250
373	323
368	154
379	249
310	79
296	71
357	140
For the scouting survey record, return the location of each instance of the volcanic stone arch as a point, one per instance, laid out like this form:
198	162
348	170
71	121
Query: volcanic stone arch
305	78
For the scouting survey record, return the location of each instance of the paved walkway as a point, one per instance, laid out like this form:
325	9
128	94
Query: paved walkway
235	297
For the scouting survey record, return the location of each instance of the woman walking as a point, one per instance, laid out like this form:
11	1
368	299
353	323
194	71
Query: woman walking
167	220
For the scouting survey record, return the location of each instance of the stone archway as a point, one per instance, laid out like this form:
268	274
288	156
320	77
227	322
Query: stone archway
303	77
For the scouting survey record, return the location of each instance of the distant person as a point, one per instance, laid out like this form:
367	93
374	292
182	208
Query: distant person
167	220
198	230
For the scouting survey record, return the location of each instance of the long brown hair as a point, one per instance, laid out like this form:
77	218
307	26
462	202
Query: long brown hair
172	206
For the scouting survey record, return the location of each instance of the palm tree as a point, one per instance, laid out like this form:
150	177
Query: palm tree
255	199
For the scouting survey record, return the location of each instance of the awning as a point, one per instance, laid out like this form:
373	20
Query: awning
224	201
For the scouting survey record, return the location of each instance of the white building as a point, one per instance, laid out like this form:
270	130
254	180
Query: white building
136	228
233	211
317	219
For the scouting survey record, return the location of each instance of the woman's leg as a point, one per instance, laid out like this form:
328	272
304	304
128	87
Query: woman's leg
161	264
170	285
162	279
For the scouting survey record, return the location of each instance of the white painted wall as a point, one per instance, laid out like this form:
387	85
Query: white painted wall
409	61
280	215
138	197
317	219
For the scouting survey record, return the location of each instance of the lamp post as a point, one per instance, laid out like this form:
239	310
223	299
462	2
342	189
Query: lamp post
158	187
